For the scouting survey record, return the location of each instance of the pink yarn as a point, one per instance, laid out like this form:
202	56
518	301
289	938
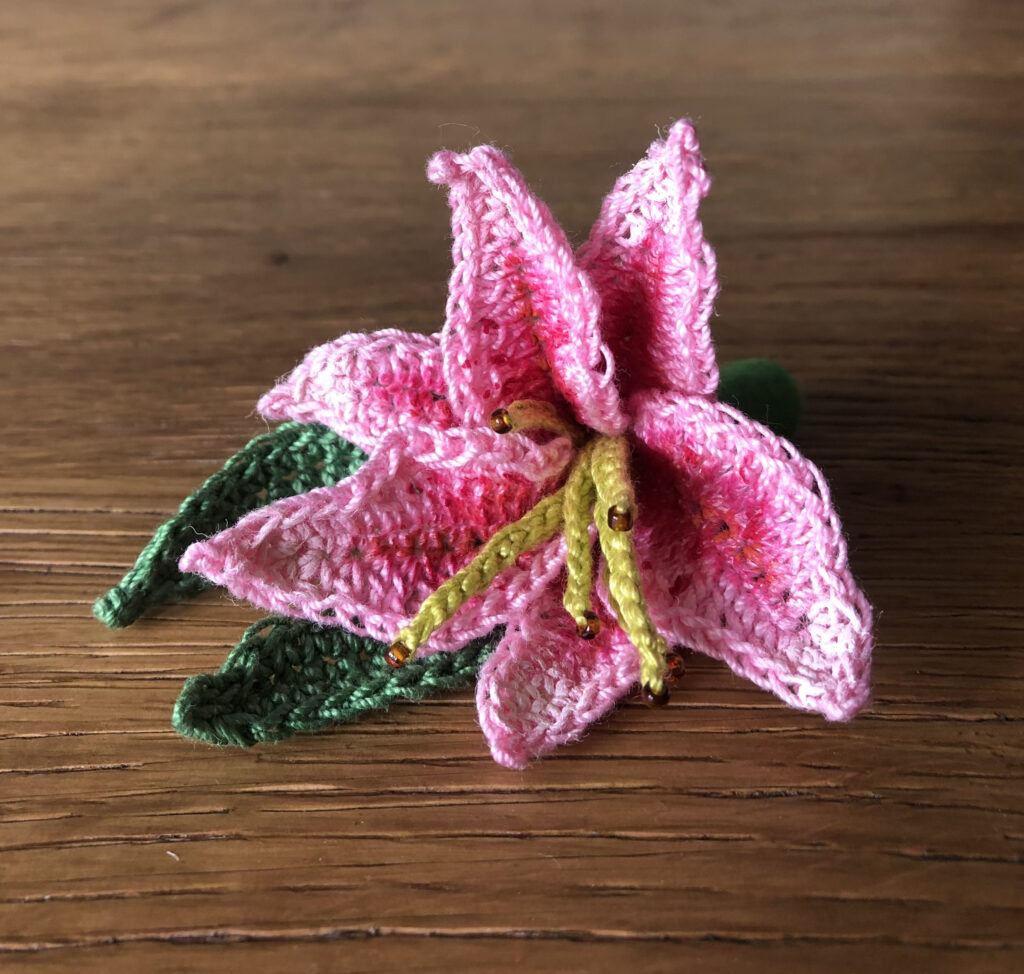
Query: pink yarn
544	686
363	386
522	318
656	274
741	553
365	554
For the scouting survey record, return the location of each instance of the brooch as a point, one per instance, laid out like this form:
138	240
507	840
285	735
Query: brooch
558	496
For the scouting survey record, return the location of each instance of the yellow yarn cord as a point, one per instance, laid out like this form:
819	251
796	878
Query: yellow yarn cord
598	488
609	467
578	514
534	414
539	524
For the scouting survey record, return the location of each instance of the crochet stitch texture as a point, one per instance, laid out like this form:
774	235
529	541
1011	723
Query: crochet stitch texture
288	675
292	459
714	533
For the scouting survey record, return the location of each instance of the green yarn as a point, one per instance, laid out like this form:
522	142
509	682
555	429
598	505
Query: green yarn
292	459
288	675
763	390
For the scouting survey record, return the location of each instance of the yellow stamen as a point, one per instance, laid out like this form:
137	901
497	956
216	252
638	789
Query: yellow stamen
580	495
539	524
533	414
609	466
598	490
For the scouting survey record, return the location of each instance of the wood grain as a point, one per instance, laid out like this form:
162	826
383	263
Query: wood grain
193	193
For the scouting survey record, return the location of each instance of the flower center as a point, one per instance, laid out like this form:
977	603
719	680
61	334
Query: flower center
597	491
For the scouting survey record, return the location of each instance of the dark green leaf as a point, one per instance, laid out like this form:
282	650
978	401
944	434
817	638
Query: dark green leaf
289	675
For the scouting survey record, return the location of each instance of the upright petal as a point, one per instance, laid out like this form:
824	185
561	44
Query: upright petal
743	556
365	554
522	320
363	386
544	686
655	272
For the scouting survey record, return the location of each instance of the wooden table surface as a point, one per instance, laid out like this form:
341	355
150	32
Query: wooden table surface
194	193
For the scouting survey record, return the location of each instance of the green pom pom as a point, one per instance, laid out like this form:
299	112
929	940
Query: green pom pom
763	390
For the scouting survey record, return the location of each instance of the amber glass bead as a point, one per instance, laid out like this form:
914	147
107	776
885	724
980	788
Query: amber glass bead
676	666
620	518
652	699
398	654
589	627
501	421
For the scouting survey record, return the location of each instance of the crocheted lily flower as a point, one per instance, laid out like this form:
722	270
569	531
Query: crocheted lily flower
567	405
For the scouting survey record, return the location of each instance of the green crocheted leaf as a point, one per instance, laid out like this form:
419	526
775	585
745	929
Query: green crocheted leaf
763	390
292	459
289	675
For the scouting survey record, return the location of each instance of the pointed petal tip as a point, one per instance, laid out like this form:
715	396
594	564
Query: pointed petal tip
837	688
274	404
202	558
681	147
842	708
682	134
853	696
362	385
442	167
853	706
447	166
512	758
510	749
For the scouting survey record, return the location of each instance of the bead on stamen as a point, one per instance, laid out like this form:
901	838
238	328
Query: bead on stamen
620	518
652	699
588	626
501	421
398	654
676	667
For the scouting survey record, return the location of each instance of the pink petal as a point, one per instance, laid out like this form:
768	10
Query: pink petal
522	320
363	386
656	274
365	554
743	556
544	686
